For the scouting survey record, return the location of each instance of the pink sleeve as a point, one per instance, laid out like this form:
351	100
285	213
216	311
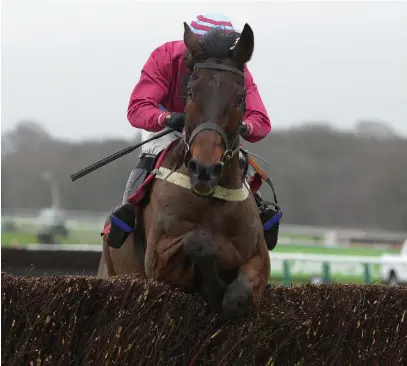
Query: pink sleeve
143	111
255	117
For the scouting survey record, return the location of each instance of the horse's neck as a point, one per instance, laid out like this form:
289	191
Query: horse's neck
174	159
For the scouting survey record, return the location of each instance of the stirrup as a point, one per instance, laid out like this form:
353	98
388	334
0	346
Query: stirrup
270	215
272	210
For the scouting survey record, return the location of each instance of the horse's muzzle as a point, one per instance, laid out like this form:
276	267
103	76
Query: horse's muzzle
204	177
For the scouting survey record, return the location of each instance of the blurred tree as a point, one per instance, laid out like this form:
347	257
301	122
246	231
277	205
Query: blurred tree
374	129
322	176
28	135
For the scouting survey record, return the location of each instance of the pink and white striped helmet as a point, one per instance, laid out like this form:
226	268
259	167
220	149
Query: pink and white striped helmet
204	23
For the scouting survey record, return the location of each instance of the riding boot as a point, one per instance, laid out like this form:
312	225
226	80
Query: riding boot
270	215
123	218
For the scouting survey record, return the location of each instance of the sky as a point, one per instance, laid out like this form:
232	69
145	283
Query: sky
72	64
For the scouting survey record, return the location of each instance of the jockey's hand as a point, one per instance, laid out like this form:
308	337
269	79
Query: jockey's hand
243	128
175	121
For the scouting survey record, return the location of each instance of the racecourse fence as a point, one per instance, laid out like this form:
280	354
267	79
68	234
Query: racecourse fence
127	321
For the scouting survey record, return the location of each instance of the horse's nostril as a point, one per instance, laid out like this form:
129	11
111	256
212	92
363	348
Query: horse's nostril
217	170
204	172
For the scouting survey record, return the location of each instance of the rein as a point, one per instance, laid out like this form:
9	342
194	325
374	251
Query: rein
231	151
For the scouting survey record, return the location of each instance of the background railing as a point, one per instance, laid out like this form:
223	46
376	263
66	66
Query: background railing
286	267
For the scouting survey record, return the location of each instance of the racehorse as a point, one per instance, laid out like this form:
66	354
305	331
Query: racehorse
199	229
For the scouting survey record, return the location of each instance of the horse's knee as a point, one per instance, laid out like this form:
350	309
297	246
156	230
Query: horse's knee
200	248
237	300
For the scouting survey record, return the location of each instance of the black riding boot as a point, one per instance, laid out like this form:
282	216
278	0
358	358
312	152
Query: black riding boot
270	215
123	218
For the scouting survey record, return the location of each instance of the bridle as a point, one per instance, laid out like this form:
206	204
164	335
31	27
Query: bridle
230	151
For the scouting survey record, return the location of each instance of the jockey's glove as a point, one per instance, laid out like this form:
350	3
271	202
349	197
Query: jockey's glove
243	128
175	121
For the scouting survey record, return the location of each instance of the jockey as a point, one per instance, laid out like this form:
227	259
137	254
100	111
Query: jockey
156	103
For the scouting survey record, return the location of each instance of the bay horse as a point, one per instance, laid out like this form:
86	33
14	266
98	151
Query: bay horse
200	227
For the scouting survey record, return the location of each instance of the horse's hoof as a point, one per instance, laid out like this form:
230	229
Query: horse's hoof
200	249
237	300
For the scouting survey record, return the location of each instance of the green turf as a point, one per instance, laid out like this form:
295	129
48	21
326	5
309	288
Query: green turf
21	238
24	238
93	237
360	251
303	278
299	237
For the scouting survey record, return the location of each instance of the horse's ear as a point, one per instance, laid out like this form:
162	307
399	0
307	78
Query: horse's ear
191	41
243	50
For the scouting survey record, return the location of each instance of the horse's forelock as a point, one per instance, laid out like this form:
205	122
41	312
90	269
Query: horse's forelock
218	42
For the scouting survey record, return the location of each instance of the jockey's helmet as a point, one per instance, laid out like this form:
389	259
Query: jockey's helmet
204	23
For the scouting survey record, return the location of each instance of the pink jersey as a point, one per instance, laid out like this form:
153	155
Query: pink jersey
160	83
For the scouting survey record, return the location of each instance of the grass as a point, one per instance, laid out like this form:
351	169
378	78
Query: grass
24	238
93	237
300	279
359	251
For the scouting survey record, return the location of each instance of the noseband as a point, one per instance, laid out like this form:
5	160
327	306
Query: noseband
211	126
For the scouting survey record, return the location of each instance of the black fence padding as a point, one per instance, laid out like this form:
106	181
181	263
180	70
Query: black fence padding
32	262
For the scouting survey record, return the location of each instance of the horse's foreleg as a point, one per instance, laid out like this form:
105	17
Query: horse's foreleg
201	250
249	285
106	268
123	260
102	269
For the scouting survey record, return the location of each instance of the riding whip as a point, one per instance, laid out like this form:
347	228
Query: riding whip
116	156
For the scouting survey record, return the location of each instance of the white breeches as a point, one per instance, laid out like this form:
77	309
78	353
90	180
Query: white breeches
155	146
